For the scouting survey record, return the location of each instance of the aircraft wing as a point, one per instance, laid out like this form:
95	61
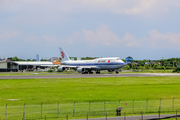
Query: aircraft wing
86	67
68	66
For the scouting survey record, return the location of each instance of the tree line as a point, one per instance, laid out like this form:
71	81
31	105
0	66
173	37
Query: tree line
19	59
161	64
170	63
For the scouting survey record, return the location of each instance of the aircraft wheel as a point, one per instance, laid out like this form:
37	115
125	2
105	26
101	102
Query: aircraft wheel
97	72
84	72
117	72
90	72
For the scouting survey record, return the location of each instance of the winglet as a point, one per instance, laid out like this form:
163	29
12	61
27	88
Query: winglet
64	56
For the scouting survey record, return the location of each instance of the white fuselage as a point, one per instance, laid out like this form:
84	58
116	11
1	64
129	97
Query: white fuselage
111	63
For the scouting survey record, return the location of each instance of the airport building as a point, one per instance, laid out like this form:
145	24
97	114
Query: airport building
15	66
38	58
55	61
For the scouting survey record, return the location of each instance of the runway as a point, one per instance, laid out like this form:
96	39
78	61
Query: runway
89	75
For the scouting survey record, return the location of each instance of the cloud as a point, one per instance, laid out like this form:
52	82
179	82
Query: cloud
17	36
7	35
46	10
50	39
102	36
164	40
131	41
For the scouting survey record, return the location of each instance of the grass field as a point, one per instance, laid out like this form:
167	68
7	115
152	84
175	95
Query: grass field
83	90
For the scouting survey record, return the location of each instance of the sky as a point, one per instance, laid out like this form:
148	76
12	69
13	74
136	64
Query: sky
142	29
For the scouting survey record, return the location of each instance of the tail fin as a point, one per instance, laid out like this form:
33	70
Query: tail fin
64	56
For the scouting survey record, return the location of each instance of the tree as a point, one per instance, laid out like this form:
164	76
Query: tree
147	66
28	60
15	59
127	67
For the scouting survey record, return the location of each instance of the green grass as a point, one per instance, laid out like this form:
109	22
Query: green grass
83	90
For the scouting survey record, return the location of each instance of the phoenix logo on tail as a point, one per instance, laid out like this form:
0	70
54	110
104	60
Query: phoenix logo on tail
62	54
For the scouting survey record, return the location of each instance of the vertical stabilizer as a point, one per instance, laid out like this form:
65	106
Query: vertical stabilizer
64	56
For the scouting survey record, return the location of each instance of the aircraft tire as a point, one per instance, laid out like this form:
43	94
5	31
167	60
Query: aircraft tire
117	72
90	72
97	72
110	70
84	72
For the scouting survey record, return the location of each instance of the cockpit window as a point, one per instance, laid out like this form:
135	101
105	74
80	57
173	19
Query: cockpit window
118	58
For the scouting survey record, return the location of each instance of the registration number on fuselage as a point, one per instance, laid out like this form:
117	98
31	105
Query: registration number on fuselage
102	61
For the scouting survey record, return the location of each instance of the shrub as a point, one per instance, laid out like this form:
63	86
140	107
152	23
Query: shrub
50	70
177	70
127	67
59	70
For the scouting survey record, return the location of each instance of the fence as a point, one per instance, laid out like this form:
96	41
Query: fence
75	109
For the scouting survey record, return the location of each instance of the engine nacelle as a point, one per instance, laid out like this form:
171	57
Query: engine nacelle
110	70
80	70
61	69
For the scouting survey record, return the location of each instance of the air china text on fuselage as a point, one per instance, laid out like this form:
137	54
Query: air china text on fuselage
88	66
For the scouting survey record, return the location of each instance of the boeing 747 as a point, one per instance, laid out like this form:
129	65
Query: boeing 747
88	66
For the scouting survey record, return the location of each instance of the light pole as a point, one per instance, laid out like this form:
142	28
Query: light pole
41	109
58	109
6	111
119	102
74	108
24	112
105	107
160	105
133	106
147	105
173	104
90	107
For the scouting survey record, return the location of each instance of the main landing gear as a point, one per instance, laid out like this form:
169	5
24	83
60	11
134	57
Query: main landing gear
87	72
117	71
110	70
98	72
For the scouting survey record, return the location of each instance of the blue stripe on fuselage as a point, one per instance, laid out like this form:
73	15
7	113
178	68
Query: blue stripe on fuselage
91	64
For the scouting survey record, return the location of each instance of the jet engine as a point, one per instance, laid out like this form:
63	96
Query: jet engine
110	70
61	69
80	70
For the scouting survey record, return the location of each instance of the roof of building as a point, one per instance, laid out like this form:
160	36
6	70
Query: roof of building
32	63
56	63
55	58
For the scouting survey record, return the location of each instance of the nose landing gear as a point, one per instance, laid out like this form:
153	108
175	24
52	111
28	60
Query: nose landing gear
117	71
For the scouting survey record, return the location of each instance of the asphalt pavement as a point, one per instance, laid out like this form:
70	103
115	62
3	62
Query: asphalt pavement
88	75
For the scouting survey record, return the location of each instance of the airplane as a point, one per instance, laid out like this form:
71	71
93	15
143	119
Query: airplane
88	66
